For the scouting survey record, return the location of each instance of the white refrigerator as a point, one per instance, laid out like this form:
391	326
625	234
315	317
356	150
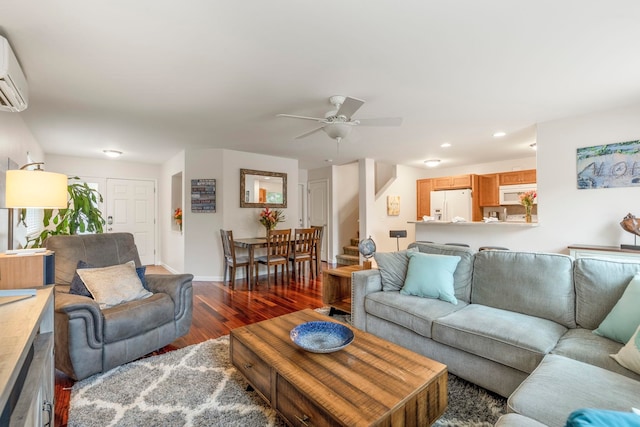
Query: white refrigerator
447	204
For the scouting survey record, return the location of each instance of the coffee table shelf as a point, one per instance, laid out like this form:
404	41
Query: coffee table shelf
371	382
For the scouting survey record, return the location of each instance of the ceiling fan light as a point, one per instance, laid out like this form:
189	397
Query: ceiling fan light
432	163
337	130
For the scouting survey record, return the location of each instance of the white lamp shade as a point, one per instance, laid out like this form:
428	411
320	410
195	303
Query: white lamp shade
36	189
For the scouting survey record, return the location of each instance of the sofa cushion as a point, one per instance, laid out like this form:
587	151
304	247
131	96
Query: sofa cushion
629	355
582	345
513	339
113	285
537	284
137	317
599	285
393	268
517	420
415	314
78	287
561	385
589	417
624	318
464	270
431	276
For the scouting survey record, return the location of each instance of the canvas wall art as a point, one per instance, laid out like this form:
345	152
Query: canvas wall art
393	205
609	166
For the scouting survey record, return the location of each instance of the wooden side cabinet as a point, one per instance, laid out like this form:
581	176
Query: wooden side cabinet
27	368
27	271
518	177
423	187
488	190
455	182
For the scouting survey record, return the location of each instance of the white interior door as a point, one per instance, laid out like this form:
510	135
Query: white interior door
319	210
131	208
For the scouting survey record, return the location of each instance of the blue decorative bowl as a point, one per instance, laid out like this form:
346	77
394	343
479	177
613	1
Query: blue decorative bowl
321	337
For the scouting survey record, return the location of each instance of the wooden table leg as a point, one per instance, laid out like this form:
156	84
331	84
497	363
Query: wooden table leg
250	278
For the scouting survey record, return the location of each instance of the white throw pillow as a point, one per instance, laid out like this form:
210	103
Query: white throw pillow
113	285
629	355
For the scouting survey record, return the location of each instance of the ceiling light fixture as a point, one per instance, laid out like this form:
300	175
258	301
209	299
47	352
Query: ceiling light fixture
499	134
432	163
445	145
112	153
533	146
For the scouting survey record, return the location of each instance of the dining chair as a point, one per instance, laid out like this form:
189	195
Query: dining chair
318	232
278	248
302	245
231	260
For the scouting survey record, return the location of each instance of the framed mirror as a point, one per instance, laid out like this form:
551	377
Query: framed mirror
261	189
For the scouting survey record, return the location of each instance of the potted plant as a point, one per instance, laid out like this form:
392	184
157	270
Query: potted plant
82	215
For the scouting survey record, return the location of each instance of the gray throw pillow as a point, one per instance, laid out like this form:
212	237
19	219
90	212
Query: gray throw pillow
393	268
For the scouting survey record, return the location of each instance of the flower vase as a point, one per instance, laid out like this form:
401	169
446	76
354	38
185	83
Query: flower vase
527	213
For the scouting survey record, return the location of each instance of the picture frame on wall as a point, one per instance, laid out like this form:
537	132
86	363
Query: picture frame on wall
393	205
203	195
608	166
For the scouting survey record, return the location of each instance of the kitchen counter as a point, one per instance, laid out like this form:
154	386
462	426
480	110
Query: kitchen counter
477	223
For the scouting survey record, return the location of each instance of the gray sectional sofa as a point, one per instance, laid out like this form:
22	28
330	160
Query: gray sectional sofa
522	328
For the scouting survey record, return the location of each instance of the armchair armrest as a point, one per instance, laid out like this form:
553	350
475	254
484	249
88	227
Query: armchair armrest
177	286
364	282
70	307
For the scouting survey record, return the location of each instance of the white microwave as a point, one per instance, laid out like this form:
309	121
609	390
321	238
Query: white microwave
510	194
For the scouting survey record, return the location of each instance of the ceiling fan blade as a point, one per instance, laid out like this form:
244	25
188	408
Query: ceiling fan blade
349	107
308	133
383	121
291	116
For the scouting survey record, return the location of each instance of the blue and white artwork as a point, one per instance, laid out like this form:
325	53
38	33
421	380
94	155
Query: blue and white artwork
609	166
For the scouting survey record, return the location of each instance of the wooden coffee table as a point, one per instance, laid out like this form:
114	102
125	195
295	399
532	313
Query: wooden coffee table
371	382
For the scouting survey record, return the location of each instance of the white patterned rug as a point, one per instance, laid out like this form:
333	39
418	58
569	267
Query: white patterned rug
198	386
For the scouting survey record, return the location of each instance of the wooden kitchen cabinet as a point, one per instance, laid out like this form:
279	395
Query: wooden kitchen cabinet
518	177
452	182
424	187
27	271
488	190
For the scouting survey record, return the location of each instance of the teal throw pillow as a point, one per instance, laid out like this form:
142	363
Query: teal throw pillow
602	418
393	268
431	276
624	318
629	355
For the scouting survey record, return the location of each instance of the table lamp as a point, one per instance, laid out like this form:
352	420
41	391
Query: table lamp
32	189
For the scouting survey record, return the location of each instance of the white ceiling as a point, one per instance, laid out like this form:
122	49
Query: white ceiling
152	77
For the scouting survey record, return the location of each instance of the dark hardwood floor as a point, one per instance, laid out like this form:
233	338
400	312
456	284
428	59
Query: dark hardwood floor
216	310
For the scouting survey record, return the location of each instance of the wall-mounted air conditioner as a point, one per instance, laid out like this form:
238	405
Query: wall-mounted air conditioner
14	94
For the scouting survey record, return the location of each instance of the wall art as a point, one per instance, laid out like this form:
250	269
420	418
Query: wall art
609	166
203	195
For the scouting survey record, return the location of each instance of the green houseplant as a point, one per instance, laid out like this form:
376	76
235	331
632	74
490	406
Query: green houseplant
81	215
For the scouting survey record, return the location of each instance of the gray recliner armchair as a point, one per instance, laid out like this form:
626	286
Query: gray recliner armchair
89	340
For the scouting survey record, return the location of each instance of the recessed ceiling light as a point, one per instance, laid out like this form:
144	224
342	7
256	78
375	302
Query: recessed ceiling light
328	160
112	153
445	144
432	163
499	134
533	146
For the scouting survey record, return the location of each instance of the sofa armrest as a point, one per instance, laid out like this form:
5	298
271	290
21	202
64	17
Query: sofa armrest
177	286
71	307
363	283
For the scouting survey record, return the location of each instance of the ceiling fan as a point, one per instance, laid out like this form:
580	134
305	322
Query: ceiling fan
338	122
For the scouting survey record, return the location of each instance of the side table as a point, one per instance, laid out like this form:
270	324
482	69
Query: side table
336	287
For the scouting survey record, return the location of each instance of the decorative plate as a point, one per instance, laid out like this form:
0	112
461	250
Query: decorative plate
321	337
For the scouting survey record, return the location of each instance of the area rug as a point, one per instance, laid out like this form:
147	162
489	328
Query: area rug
198	386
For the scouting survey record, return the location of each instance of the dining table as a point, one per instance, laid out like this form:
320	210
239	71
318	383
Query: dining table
250	243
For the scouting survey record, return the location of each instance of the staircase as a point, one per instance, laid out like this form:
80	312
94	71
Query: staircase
351	256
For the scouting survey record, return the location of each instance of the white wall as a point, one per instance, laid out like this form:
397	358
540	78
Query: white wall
567	215
346	204
380	224
172	242
15	141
